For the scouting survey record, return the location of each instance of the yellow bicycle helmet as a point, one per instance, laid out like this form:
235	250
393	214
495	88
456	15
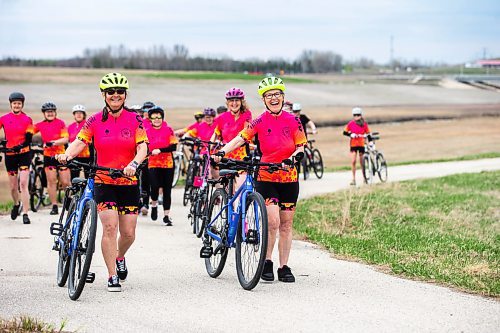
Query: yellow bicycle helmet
270	83
113	80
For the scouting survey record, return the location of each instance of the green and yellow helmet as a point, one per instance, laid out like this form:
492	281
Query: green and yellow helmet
270	83
113	80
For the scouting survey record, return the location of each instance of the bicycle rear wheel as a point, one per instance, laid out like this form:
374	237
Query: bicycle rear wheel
201	213
63	261
81	257
215	264
367	169
317	163
189	185
177	170
381	167
251	253
35	188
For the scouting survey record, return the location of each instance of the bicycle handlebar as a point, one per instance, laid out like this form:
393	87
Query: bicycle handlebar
113	173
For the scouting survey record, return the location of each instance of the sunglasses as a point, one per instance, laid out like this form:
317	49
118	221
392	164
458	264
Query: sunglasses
119	91
275	95
357	115
155	118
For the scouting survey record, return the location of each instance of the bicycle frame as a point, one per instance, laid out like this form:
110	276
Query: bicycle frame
235	215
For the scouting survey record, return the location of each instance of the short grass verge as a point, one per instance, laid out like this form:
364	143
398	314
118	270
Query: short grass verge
445	230
26	324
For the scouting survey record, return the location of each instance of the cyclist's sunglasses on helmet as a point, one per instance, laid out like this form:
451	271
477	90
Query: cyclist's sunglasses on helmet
112	91
275	95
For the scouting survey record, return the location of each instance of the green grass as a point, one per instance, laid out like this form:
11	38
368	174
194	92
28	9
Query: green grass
460	158
216	76
445	230
25	324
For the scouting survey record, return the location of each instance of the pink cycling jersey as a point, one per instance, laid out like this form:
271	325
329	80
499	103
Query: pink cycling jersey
15	127
228	127
115	142
203	131
161	138
352	127
73	131
51	131
279	136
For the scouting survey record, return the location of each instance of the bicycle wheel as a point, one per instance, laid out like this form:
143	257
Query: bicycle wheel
189	185
317	163
35	188
381	167
177	170
251	253
306	162
215	264
367	169
81	257
63	261
201	213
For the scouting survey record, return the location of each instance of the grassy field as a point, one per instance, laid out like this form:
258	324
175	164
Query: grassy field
216	76
444	230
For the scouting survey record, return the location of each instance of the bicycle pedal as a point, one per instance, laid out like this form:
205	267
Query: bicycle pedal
206	252
56	247
56	229
251	236
90	277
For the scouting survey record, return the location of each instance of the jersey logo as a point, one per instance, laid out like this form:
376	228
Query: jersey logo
286	131
106	131
126	133
268	131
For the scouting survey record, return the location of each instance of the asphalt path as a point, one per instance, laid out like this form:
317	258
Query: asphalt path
168	288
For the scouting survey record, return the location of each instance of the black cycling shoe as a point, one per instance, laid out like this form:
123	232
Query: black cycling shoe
285	274
14	213
114	284
167	220
267	272
121	269
154	213
54	211
26	219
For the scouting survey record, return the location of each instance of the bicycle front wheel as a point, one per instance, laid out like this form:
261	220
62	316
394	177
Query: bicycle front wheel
201	213
177	170
35	187
381	167
367	169
188	188
63	261
215	264
251	252
81	257
317	163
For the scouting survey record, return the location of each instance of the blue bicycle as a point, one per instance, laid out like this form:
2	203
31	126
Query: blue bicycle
76	231
244	227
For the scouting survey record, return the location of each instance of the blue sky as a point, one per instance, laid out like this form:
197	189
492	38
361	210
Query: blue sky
431	31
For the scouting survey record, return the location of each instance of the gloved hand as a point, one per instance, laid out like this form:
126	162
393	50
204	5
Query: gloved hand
372	144
17	149
354	135
49	144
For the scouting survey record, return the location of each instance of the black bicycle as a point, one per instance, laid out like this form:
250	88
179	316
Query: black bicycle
37	180
373	161
312	161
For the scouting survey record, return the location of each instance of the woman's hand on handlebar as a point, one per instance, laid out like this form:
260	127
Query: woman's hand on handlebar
62	158
155	152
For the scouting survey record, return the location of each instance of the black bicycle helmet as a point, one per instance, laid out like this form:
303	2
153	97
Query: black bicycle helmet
48	106
147	105
16	96
156	109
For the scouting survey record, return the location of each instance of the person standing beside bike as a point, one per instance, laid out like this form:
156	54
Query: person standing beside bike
54	136
356	130
307	123
162	142
120	142
205	129
18	129
79	114
280	136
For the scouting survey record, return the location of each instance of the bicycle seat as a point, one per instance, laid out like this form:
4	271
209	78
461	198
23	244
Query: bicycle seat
77	181
228	173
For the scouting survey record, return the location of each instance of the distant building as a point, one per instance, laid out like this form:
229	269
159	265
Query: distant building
491	63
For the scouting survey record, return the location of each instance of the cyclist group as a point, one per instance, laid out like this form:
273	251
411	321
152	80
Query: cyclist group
123	138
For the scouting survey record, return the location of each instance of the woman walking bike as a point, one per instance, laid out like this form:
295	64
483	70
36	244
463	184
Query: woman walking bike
280	137
120	142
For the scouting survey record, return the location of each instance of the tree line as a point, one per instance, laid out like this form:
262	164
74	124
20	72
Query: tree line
178	58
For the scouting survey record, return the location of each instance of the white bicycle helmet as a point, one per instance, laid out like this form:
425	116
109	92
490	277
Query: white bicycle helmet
79	108
296	107
357	110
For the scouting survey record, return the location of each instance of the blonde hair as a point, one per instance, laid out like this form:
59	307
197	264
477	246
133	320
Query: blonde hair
243	107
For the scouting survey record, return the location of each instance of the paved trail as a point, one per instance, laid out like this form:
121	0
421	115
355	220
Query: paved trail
168	288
